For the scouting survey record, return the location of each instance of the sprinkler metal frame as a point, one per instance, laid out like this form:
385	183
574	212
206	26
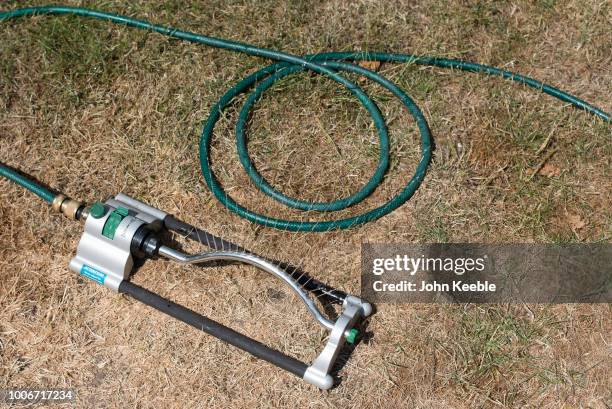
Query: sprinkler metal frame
124	229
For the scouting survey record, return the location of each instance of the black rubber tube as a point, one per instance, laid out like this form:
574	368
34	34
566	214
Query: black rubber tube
213	328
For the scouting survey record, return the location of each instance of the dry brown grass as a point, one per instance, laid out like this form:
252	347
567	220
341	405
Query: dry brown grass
93	109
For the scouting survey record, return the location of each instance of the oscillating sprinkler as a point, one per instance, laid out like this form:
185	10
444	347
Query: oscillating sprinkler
122	230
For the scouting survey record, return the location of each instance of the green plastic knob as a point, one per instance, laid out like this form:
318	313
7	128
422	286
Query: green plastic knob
351	336
113	222
97	210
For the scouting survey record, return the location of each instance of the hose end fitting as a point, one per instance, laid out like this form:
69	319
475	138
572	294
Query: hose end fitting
57	203
68	207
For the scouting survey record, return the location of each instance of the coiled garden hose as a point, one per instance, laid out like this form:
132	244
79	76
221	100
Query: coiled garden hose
327	64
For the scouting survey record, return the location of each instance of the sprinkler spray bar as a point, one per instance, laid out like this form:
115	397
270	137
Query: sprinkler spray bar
122	230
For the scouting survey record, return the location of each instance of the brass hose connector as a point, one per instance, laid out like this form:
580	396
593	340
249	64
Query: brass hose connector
68	207
56	205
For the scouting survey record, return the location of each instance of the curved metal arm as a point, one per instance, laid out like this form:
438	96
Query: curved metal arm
253	260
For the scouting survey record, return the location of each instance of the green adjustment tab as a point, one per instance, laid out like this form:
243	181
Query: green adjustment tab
113	222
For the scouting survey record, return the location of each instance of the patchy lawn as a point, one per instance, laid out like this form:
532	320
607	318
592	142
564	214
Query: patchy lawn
93	109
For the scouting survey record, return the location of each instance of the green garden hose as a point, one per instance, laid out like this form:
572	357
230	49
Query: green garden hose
327	64
23	181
